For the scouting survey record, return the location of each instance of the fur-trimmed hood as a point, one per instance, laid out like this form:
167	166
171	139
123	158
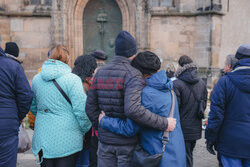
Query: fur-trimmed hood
188	73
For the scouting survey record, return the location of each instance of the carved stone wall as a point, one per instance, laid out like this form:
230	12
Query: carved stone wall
203	29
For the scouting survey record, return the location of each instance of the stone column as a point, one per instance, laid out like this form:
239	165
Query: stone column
142	28
59	23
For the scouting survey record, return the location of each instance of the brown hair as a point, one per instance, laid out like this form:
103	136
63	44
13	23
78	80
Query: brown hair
61	53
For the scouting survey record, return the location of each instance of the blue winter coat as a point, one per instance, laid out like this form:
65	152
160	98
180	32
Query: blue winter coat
15	100
229	118
156	97
59	126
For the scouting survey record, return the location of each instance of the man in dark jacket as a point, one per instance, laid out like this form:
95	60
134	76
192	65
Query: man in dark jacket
12	51
191	93
116	90
228	123
15	101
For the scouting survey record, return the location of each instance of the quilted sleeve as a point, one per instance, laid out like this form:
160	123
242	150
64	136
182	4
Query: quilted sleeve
78	100
119	126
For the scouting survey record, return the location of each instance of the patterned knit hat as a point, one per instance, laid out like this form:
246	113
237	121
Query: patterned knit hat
147	62
84	66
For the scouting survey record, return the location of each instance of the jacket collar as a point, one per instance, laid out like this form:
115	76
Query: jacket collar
244	62
120	59
13	58
184	68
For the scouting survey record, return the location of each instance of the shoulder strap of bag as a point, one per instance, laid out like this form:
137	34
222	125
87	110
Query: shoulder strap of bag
192	91
61	91
165	136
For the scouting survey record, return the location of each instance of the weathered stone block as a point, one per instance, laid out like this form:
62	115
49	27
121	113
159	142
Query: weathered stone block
32	39
16	24
37	25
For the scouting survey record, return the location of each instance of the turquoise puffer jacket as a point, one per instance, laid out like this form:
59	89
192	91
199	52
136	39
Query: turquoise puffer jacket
59	127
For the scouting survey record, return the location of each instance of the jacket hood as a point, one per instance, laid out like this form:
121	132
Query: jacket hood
240	76
53	69
159	81
188	73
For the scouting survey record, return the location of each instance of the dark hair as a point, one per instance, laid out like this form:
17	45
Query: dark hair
183	60
84	66
147	62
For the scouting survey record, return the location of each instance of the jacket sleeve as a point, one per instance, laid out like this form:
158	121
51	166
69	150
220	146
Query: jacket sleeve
78	100
133	108
205	98
33	107
24	94
92	107
119	126
177	93
217	110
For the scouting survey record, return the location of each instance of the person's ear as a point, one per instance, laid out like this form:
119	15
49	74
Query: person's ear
227	68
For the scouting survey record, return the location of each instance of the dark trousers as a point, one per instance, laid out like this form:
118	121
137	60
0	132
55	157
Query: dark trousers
115	156
83	158
189	144
219	159
69	161
93	151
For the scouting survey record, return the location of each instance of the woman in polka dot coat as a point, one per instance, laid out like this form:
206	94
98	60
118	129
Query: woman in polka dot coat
59	126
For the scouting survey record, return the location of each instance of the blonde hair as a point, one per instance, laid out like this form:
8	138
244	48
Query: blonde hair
61	53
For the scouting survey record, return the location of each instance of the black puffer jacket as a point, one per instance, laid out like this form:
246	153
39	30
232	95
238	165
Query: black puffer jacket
187	79
116	90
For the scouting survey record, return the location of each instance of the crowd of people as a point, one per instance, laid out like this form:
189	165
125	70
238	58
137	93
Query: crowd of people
127	112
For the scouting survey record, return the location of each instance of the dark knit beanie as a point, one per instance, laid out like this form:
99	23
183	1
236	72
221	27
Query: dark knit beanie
243	52
125	44
84	66
183	60
146	62
99	54
12	49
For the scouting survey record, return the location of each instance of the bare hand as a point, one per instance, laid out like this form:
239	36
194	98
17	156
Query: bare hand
171	124
101	116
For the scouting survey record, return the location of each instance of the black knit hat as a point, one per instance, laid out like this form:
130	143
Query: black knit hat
12	49
99	54
125	44
84	66
147	62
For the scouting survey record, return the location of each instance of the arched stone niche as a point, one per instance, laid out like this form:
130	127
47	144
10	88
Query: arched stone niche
75	22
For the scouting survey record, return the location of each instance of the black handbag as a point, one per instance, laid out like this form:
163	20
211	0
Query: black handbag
142	158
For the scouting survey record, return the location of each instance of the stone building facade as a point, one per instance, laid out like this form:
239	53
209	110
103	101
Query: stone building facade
207	30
